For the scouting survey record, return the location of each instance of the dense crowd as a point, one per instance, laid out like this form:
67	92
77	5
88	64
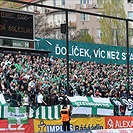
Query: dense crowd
35	81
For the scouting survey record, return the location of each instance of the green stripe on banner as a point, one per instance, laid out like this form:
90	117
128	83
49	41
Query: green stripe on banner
2	111
59	107
46	112
24	120
40	113
90	99
22	109
12	121
94	110
53	112
11	109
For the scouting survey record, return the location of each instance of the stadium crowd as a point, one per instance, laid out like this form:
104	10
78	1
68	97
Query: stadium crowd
35	81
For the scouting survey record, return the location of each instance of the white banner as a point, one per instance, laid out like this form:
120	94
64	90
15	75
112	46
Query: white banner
91	105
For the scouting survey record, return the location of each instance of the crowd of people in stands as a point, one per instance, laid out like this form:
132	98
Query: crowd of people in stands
35	80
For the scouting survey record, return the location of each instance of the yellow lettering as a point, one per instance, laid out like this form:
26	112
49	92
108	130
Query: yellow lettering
2	27
20	29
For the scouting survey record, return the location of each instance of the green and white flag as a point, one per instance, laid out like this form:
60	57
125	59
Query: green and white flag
91	105
46	112
3	106
17	115
2	100
3	111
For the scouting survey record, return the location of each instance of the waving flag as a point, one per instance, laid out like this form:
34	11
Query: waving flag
2	100
91	105
17	115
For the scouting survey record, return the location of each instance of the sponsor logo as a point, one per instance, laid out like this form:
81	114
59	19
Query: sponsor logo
110	124
10	127
119	124
43	127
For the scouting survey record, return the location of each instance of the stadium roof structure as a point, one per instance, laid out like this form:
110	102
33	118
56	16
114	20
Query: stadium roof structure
24	51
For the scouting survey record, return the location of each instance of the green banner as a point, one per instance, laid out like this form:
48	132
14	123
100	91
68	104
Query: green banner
79	51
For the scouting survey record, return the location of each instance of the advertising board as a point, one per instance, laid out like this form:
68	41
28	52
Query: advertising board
17	43
77	124
16	128
16	24
116	122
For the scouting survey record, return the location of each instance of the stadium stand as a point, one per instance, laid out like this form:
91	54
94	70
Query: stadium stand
23	77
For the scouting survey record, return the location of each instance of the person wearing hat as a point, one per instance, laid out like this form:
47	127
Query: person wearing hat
65	114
